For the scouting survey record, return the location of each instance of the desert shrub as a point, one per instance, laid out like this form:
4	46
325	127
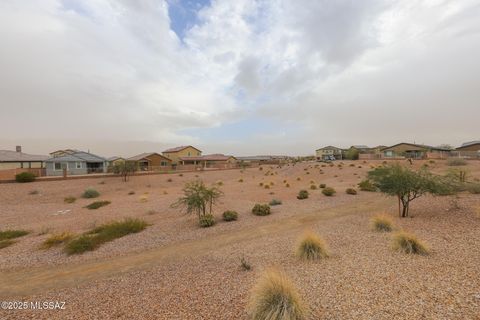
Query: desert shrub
169	180
219	183
90	193
287	185
367	185
6	243
131	193
322	185
328	191
261	209
275	202
230	215
312	247
180	175
274	297
351	191
97	204
260	168
56	240
302	194
206	221
143	198
261	184
69	199
244	264
107	232
298	179
25	177
33	192
408	243
267	186
456	162
271	183
11	234
473	188
313	187
240	180
382	223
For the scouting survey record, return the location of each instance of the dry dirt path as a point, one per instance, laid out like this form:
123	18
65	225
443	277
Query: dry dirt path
25	282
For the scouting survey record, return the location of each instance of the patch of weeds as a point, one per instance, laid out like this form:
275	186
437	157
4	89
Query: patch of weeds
302	194
409	243
11	234
328	191
275	202
244	264
261	209
56	240
90	193
230	215
351	191
70	199
97	204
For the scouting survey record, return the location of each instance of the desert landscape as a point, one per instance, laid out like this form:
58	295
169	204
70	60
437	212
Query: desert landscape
174	269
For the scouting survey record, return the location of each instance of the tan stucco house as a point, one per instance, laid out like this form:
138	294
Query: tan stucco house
150	161
174	154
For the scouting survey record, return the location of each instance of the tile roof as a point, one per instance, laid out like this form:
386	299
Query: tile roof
78	156
13	156
145	155
177	149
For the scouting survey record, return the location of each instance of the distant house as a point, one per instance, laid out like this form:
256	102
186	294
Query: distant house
248	160
361	148
415	151
469	149
19	160
75	163
174	154
210	160
326	153
150	161
115	160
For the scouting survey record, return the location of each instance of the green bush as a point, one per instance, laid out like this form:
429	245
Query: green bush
230	215
275	202
97	204
328	191
261	209
351	191
206	220
11	234
25	177
367	185
302	194
90	193
456	162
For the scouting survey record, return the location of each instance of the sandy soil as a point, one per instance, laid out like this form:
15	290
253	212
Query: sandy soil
175	270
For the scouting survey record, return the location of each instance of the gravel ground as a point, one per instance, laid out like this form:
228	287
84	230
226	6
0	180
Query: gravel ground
175	270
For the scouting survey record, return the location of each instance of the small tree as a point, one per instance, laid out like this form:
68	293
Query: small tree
407	185
352	154
125	169
198	198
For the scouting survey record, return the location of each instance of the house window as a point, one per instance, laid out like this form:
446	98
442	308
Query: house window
78	165
189	153
60	166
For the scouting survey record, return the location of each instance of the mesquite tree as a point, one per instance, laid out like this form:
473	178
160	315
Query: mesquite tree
407	185
198	198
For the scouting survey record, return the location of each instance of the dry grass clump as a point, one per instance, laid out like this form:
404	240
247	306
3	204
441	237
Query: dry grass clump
367	185
6	243
261	184
90	193
456	162
409	243
97	204
56	240
267	186
261	209
382	223
287	185
240	180
244	264
328	191
206	220
275	202
313	187
298	179
11	234
169	180
302	194
312	247
219	183
274	297
230	215
322	185
351	191
70	199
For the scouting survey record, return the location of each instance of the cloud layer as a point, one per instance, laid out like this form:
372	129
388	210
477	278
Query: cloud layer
305	73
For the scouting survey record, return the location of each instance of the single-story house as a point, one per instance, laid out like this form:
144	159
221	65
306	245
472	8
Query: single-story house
248	160
174	154
18	160
415	151
469	149
210	160
150	161
326	153
112	161
75	163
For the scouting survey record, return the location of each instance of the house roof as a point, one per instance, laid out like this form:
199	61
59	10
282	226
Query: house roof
115	158
69	151
78	156
468	144
146	155
13	156
254	158
177	149
422	146
329	147
208	157
360	146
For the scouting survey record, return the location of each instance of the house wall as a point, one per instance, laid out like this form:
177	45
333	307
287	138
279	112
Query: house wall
187	152
158	161
20	164
71	169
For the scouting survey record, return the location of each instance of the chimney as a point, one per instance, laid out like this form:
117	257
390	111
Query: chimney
18	148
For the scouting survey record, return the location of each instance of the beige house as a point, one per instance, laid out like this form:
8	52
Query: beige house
174	154
113	161
150	161
210	161
415	151
326	153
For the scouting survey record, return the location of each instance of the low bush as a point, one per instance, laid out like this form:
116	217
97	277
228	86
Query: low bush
298	179
219	183
97	204
206	220
274	297
230	215
130	193
6	243
261	184
261	209
275	202
382	223
69	199
456	162
312	247
25	177
322	185
313	187
90	193
11	234
56	240
267	186
474	188
328	191
302	194
408	243
107	232
240	180
367	185
351	191
287	185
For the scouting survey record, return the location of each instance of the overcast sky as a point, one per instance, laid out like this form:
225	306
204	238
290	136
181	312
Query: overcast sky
237	76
